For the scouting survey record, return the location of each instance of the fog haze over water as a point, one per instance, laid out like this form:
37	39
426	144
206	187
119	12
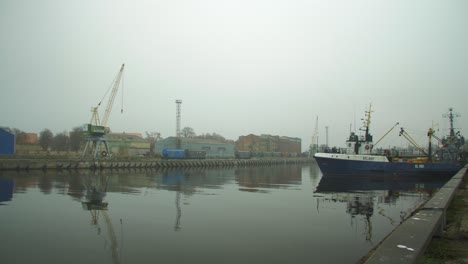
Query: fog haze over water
240	67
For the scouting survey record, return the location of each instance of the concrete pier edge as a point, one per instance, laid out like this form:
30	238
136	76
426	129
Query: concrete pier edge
44	164
407	243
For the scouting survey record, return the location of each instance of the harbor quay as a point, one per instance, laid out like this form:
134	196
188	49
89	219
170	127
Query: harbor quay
436	232
58	164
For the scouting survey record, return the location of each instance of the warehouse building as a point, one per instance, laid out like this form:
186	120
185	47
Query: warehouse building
7	142
268	143
127	144
213	148
27	138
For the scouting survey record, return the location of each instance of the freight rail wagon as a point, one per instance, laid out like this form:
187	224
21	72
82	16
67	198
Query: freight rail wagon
183	154
263	154
195	154
243	155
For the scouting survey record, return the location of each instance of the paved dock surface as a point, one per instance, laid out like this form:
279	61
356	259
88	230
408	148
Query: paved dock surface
436	233
452	246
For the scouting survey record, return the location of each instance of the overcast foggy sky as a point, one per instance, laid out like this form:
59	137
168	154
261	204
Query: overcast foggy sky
240	67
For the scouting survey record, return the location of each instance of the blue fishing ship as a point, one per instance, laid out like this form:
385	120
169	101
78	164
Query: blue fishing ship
358	158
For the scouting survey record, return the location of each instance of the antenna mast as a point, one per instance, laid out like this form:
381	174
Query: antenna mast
451	115
326	134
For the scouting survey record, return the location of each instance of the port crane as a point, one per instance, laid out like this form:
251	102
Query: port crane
97	129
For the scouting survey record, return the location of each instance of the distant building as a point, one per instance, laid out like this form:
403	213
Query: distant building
127	144
28	138
7	142
213	148
269	143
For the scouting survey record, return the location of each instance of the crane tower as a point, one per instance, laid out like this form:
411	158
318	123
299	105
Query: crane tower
178	102
97	130
178	133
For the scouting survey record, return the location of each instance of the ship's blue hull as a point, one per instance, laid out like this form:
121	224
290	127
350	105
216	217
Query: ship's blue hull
331	166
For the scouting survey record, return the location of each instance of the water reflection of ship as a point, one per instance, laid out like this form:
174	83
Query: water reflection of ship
363	194
362	205
359	205
96	188
330	183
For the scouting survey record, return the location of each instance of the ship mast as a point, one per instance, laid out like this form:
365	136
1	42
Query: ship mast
451	116
367	121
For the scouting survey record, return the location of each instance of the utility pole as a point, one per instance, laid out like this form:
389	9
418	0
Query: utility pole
314	145
326	134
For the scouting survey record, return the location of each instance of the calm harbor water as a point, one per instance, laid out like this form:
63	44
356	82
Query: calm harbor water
279	214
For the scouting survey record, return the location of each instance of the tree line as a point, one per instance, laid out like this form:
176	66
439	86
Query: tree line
188	132
74	140
62	141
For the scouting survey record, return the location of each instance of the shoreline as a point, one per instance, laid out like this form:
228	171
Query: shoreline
75	164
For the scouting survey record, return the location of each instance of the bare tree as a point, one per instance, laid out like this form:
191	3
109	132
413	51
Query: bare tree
188	132
213	136
61	141
153	137
77	138
45	138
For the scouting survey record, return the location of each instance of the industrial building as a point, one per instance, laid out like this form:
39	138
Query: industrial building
7	142
28	138
288	146
127	144
213	148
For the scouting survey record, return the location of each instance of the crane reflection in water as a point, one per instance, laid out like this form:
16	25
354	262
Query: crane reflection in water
95	184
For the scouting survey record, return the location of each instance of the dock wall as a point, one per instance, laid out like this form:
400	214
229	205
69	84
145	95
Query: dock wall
407	243
33	164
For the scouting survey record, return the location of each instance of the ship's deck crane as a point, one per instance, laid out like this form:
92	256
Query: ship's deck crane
412	141
97	129
390	130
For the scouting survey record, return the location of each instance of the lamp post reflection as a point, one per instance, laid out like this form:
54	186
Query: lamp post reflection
175	181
